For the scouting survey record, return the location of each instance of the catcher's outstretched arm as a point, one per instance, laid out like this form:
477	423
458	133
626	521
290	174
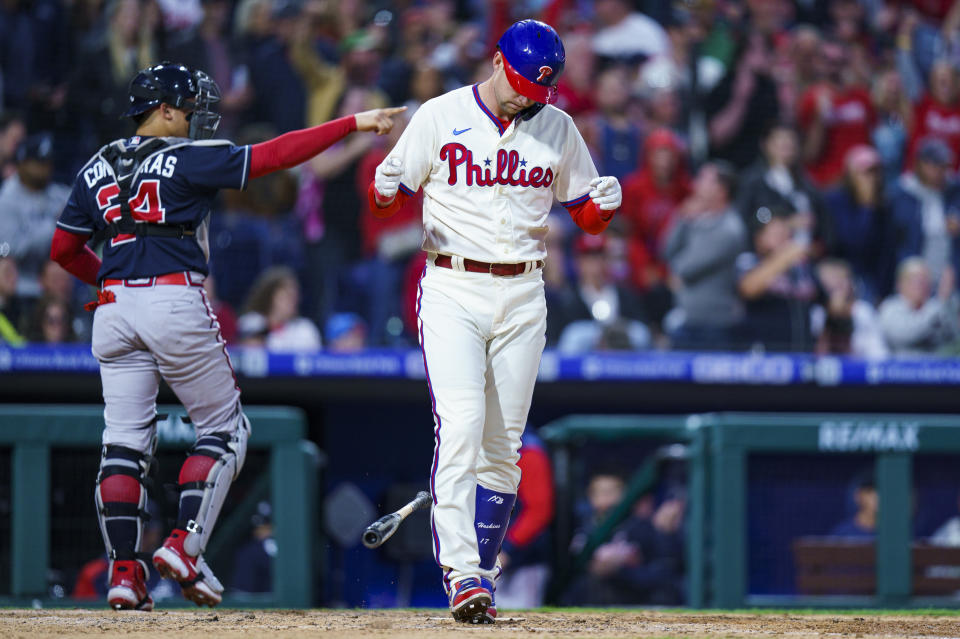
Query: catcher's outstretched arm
296	147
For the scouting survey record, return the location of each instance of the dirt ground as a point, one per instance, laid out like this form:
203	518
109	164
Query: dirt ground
407	624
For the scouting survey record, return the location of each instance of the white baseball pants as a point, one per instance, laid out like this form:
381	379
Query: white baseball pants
482	337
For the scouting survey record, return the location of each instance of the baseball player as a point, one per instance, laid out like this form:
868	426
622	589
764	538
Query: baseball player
491	158
148	198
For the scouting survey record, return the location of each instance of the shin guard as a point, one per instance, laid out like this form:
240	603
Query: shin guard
205	479
121	500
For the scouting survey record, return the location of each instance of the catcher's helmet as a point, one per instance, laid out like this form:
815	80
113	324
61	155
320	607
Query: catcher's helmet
533	59
180	87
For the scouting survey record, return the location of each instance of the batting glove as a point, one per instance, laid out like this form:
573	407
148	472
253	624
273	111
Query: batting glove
606	193
387	180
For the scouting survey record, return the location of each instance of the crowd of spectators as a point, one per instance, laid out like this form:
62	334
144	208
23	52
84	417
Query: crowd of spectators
788	167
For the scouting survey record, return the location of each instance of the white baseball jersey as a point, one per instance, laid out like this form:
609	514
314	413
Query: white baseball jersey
488	187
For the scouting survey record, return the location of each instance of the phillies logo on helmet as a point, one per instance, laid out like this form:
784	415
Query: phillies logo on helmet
545	72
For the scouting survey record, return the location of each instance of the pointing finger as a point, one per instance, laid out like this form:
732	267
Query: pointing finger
389	111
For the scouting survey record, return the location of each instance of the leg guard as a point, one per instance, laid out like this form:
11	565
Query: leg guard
121	500
205	478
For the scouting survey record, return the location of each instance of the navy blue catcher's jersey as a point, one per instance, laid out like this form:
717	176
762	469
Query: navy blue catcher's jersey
174	185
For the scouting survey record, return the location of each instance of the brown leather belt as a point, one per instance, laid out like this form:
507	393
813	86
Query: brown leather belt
473	266
176	279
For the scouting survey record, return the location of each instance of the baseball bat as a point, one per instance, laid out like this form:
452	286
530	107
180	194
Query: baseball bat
383	528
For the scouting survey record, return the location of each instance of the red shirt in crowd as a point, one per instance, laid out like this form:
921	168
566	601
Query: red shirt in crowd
849	123
92	574
535	496
573	100
373	227
932	118
648	209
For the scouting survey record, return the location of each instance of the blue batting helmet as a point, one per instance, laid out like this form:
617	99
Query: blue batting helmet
180	87
533	58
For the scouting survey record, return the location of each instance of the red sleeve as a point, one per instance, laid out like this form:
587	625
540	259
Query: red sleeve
535	494
296	147
388	210
589	217
70	251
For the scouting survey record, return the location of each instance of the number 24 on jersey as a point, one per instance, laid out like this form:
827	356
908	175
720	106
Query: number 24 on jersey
145	206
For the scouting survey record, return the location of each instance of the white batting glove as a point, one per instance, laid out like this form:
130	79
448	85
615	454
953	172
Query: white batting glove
387	180
606	193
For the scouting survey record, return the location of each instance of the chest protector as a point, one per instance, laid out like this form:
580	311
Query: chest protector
125	161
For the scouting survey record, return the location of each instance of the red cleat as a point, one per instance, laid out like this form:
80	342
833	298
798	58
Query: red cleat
470	601
128	586
196	580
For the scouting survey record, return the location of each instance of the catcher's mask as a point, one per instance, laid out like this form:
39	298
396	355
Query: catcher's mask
203	119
